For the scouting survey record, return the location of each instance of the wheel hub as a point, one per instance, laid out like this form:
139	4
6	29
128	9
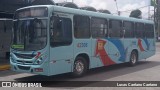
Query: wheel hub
133	59
79	67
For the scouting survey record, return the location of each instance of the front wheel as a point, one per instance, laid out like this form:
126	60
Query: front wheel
80	67
133	58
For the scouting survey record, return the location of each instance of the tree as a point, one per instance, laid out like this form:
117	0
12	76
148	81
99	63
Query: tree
136	14
105	11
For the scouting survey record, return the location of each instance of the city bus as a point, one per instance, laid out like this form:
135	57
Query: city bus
5	36
51	40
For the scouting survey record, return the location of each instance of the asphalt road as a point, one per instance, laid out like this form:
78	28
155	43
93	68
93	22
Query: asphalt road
148	70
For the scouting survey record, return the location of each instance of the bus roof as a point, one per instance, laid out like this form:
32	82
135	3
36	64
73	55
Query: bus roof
90	13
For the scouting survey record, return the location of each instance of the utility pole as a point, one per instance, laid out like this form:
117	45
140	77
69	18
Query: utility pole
117	7
149	15
158	19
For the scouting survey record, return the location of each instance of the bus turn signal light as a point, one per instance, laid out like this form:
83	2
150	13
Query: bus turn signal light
38	55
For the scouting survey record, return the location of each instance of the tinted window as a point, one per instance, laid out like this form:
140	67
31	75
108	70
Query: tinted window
29	34
9	25
115	28
61	31
149	31
140	30
81	26
98	27
2	25
129	29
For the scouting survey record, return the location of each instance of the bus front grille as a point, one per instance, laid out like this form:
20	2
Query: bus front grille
24	62
23	67
25	56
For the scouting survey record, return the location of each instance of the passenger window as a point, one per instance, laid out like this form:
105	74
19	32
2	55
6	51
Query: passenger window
98	27
115	29
81	26
149	31
140	30
129	29
61	31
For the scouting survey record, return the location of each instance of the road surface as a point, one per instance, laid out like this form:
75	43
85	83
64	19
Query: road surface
148	70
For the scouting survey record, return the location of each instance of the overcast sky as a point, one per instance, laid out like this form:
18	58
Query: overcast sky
123	5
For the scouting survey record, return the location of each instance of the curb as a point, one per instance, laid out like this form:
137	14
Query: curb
4	67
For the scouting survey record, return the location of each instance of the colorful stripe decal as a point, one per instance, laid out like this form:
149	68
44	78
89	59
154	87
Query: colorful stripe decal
147	43
120	47
100	50
140	45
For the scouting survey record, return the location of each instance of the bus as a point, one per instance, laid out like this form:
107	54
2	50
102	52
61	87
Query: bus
50	40
5	36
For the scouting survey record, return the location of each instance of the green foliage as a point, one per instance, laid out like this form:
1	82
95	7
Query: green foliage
105	11
136	14
153	2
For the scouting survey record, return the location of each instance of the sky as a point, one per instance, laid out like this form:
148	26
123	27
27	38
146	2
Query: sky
123	5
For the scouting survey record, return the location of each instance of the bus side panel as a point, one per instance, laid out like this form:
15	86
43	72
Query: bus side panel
61	59
114	52
82	46
130	44
96	60
149	48
111	51
106	52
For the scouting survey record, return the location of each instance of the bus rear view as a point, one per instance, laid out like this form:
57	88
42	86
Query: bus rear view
28	49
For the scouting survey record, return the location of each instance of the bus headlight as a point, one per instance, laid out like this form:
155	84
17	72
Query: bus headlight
39	59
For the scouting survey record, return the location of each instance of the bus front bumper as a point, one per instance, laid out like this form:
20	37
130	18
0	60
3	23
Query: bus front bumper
35	69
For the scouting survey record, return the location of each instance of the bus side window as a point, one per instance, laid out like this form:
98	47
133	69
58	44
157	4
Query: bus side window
115	28
129	29
98	27
51	26
140	33
61	31
81	26
149	31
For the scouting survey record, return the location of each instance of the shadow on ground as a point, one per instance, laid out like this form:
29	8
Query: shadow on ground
98	74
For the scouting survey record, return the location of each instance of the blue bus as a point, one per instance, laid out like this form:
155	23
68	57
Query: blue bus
50	40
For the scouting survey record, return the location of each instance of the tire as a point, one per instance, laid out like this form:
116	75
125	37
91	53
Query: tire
133	58
80	67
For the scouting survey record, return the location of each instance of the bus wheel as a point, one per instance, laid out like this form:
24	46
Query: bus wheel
133	58
80	67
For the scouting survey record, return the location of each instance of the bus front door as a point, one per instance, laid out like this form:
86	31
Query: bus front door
61	46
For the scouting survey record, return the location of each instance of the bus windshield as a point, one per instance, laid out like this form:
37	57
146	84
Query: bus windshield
29	34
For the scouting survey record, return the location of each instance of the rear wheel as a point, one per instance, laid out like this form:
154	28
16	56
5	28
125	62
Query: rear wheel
80	67
133	58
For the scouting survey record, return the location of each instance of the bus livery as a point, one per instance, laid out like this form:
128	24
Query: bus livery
50	40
